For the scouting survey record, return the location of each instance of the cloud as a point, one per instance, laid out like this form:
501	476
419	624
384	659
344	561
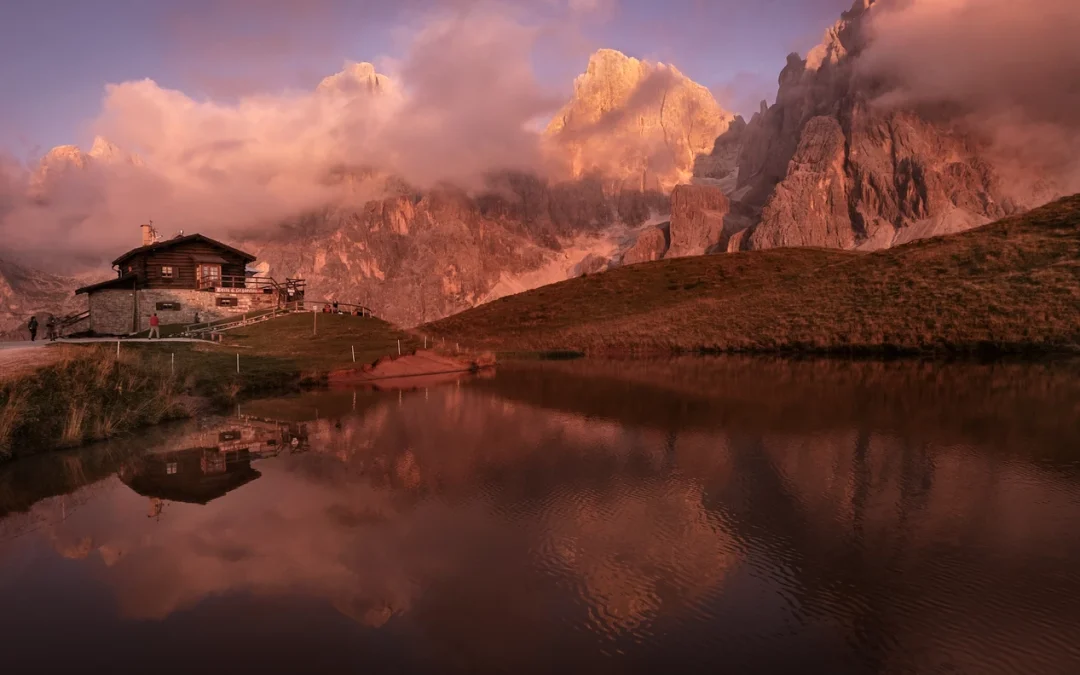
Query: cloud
461	102
1010	69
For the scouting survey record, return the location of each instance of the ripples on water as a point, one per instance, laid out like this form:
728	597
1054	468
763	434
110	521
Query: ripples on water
687	516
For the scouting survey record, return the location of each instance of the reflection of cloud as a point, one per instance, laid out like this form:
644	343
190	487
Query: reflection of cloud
372	551
533	521
638	550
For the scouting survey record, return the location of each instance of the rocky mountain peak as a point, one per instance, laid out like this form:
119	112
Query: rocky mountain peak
64	155
355	78
638	122
827	166
105	150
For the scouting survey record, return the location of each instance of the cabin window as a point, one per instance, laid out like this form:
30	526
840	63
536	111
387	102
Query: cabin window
167	306
226	302
170	468
167	272
209	275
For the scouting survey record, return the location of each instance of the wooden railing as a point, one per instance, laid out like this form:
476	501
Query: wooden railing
73	319
237	281
290	289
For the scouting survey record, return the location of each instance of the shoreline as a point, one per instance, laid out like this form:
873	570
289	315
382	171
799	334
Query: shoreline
86	395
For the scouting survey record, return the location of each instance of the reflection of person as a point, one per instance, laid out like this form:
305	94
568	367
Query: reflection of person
154	330
32	326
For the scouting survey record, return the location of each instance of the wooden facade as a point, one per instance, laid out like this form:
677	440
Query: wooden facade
189	262
185	280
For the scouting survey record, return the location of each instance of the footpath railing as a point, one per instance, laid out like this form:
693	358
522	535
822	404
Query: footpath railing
71	320
213	329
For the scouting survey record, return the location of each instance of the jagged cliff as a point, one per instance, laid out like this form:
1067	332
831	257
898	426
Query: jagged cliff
638	122
631	131
26	292
827	166
418	255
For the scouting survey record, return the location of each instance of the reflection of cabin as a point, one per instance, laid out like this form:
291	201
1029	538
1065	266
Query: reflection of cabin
178	278
199	467
194	476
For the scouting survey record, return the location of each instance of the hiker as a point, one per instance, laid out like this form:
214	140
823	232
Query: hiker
154	330
50	328
33	328
336	310
196	317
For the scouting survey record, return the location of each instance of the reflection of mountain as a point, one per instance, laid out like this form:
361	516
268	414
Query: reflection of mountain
194	476
550	512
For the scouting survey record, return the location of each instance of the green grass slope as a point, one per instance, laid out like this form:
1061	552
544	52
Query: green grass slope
1009	286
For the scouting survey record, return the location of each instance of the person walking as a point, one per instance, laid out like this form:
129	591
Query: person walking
50	328
33	328
154	330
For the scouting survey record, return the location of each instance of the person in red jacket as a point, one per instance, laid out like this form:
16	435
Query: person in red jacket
154	330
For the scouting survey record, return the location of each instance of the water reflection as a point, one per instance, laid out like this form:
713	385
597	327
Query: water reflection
690	515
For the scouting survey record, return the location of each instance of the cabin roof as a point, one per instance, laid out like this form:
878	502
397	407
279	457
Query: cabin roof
123	281
176	241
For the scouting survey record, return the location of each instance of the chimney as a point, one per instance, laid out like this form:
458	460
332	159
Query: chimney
147	234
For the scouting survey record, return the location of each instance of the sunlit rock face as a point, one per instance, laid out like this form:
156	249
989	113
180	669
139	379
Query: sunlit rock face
26	292
830	167
642	123
697	220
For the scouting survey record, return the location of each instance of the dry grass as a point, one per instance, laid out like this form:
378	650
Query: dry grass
70	394
17	361
86	394
1011	286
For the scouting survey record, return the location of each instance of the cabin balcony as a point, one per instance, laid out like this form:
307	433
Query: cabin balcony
250	284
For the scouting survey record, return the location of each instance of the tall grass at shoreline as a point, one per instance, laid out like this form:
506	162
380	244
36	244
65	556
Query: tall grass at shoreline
89	394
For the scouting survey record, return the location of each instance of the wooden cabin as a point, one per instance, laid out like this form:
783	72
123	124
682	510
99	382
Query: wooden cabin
184	280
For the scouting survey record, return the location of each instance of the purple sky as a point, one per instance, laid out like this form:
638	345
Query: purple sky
58	55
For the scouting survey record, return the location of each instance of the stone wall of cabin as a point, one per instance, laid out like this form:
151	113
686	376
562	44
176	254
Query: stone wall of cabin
111	310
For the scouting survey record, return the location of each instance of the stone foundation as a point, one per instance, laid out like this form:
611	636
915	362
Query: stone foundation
113	312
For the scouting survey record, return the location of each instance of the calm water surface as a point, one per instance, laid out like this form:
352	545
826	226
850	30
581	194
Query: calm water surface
723	516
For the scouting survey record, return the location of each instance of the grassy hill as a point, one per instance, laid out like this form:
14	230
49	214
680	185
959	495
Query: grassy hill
321	342
1013	285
